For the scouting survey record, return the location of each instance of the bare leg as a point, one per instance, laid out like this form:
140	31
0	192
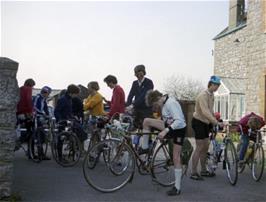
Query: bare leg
196	154
203	154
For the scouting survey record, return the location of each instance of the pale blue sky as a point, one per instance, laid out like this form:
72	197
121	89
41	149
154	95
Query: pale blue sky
58	43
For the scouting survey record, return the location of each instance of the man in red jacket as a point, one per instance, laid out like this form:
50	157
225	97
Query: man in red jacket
25	108
117	104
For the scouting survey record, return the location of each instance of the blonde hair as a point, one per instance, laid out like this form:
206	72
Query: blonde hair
152	96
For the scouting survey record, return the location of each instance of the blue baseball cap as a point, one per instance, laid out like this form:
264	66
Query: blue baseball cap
215	80
46	89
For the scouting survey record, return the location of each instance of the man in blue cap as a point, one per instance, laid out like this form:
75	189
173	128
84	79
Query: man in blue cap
202	122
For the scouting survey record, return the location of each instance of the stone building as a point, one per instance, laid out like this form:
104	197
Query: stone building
240	59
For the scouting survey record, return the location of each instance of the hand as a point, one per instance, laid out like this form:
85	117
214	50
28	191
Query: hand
162	134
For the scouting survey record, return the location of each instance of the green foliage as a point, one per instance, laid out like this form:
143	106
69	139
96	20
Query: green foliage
235	137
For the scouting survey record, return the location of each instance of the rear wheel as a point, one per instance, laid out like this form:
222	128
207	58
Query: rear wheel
162	167
258	163
231	162
114	160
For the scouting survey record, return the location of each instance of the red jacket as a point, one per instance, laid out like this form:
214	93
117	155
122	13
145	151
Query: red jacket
25	105
244	121
117	104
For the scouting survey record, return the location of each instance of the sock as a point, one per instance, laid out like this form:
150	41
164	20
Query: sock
145	139
178	175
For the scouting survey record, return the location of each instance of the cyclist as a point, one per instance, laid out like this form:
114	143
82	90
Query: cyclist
136	101
25	109
202	121
248	123
117	103
42	112
172	125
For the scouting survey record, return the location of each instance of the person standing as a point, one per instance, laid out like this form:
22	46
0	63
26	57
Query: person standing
117	103
203	120
136	100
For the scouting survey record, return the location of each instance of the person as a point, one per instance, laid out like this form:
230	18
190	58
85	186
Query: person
136	96
217	115
41	110
93	104
25	110
172	125
202	122
248	123
77	108
117	104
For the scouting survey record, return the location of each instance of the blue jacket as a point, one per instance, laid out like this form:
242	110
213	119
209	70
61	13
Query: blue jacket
138	93
63	109
40	105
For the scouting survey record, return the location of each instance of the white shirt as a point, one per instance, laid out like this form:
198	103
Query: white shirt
172	114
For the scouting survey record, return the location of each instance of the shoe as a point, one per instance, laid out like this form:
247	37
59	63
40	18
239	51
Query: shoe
46	158
207	174
196	176
143	151
173	192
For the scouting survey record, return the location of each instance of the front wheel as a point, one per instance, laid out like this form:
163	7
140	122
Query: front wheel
114	160
162	168
231	162
258	163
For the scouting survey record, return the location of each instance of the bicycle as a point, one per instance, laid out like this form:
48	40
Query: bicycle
224	152
254	157
117	159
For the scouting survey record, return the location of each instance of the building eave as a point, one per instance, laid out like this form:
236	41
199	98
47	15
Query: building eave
226	32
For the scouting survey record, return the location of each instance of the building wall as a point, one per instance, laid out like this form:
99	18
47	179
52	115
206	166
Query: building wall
246	58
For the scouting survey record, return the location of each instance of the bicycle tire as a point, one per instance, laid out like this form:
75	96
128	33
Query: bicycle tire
231	162
108	181
258	153
37	149
162	167
66	149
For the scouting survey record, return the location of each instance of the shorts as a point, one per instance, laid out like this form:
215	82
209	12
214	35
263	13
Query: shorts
201	129
177	135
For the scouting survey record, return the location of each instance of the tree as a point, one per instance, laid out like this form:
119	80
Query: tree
183	88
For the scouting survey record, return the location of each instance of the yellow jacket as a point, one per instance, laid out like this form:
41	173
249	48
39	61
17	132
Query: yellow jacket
94	104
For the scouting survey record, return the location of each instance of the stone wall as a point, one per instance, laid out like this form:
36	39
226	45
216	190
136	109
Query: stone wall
242	54
9	97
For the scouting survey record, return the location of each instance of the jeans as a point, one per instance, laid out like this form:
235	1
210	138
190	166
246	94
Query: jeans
244	146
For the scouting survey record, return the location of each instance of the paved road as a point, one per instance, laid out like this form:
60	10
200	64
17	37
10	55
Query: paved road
47	181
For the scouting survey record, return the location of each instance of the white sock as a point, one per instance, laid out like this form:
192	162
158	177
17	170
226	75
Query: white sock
178	175
145	139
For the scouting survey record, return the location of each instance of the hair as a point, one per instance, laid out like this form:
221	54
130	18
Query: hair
110	79
254	123
73	89
152	96
29	82
62	92
139	68
94	85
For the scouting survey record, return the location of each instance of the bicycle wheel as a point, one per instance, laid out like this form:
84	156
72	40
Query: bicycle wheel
231	162
66	149
38	146
162	167
258	163
109	165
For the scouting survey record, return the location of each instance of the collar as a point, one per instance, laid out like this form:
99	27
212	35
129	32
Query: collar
140	82
166	98
210	93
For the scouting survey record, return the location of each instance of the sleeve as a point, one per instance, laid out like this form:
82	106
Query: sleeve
177	114
147	86
58	109
92	102
37	104
115	104
130	95
205	110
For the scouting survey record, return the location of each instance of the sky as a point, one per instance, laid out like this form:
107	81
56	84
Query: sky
58	43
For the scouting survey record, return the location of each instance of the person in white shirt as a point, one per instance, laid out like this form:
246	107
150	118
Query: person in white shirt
172	125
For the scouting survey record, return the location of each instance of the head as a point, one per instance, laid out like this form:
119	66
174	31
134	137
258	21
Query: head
29	83
73	90
214	83
140	71
93	86
62	92
152	98
254	123
217	115
45	91
111	81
